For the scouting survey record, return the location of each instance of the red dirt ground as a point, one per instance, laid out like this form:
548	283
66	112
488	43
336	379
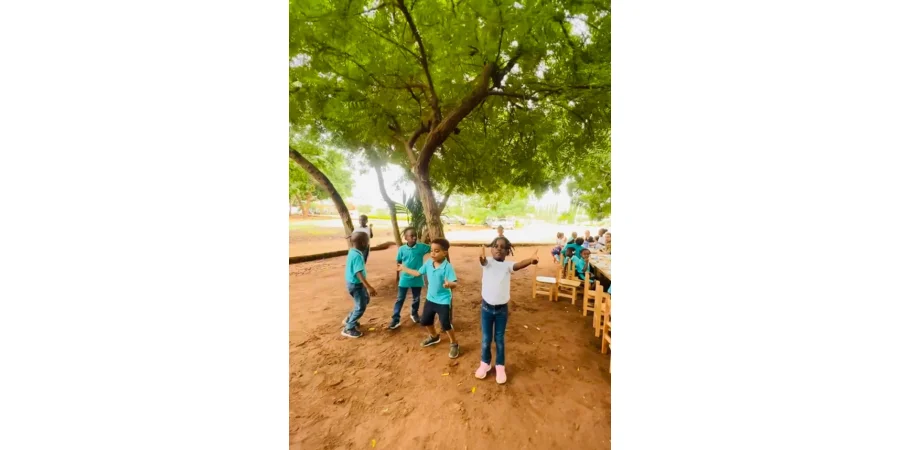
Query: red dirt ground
384	388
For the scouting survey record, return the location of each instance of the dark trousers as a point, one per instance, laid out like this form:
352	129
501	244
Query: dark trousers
493	326
401	297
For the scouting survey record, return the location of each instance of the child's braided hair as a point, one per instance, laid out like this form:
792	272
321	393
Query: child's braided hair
509	245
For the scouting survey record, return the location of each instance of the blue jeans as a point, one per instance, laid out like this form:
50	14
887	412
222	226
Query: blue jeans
360	301
401	297
493	325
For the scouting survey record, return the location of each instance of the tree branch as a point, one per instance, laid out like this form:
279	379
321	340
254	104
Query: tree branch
439	133
447	196
423	59
411	144
326	185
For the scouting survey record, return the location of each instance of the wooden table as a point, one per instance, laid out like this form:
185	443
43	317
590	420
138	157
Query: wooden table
601	268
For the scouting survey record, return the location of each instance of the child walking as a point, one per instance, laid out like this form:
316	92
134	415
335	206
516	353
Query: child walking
410	256
494	304
357	284
441	280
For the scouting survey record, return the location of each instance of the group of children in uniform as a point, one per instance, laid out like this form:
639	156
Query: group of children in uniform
412	271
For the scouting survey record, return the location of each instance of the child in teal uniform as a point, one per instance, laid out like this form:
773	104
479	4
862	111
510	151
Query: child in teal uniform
582	264
410	256
441	280
357	284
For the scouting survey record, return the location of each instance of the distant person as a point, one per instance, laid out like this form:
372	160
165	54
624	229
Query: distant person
410	256
357	284
587	234
364	227
441	281
500	230
494	303
560	242
585	243
593	244
607	247
574	236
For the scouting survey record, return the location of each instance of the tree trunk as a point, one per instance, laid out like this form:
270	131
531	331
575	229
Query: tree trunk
306	205
325	183
422	181
390	204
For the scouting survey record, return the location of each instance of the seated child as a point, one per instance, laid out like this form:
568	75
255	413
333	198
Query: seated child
560	242
582	265
570	253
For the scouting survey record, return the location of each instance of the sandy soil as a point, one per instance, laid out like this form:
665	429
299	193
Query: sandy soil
384	388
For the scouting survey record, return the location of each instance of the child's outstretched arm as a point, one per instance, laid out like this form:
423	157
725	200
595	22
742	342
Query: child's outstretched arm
408	271
527	262
482	259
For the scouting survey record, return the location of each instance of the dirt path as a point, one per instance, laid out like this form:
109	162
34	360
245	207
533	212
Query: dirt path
345	393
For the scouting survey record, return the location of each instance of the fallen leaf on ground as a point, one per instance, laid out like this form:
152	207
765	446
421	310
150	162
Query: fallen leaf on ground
373	443
526	326
538	329
444	374
473	389
371	329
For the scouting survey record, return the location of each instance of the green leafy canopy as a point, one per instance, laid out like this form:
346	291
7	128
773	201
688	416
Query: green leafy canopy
358	78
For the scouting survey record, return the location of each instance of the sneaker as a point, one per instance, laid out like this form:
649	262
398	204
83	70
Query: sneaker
394	324
354	333
431	341
454	351
414	318
482	370
501	374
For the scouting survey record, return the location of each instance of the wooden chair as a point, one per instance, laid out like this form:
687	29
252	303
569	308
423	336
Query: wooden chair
591	296
600	312
544	285
566	287
606	334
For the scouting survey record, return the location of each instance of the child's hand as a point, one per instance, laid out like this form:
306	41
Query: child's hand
534	257
399	267
372	291
482	259
446	284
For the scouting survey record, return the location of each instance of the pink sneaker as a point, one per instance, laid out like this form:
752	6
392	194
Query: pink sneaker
482	370
501	374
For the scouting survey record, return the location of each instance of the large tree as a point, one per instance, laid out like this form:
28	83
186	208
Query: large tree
474	95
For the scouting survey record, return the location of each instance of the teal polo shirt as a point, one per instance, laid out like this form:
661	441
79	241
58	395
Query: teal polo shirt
573	246
579	267
437	293
411	258
355	263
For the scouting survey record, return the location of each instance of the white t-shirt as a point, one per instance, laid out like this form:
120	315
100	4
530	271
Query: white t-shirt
495	281
364	229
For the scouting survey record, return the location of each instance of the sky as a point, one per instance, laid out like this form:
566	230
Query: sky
365	188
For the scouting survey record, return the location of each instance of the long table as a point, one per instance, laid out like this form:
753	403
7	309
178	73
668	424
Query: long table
601	268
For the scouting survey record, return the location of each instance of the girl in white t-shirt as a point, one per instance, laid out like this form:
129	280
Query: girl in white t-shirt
494	303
